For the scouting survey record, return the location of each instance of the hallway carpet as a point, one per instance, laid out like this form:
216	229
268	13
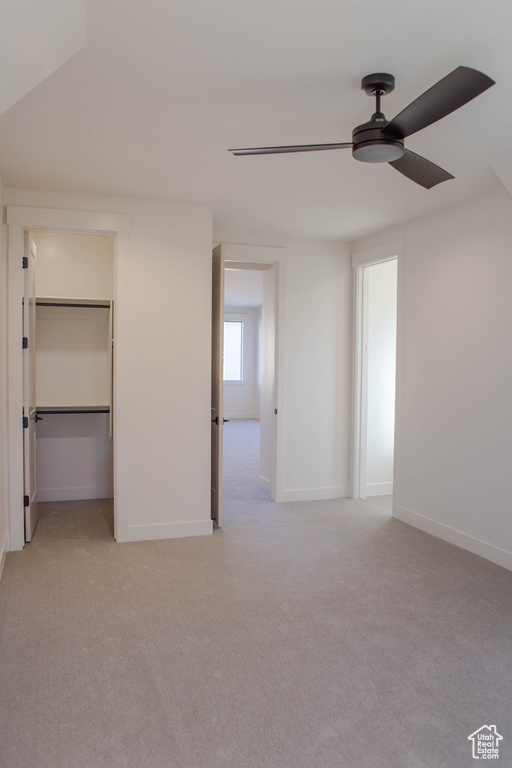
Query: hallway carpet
242	466
302	635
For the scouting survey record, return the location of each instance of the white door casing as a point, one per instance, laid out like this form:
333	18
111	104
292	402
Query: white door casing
19	220
272	261
29	388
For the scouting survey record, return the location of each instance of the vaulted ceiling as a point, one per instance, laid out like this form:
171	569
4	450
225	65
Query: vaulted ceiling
163	88
36	38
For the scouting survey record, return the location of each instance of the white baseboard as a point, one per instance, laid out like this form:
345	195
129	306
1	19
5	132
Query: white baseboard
313	494
263	482
75	494
477	546
4	548
236	416
164	531
379	489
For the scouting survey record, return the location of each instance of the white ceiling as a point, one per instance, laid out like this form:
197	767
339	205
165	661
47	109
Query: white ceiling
161	90
243	288
36	38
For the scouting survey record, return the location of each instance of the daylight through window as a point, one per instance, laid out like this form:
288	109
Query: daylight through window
233	350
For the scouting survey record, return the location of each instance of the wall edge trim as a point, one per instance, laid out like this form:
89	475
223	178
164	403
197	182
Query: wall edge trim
379	489
314	494
76	493
155	531
265	483
4	548
472	544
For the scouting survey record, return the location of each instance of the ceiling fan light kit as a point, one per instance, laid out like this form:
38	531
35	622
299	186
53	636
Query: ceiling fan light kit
382	141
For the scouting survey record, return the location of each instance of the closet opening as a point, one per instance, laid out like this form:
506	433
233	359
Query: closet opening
68	374
376	358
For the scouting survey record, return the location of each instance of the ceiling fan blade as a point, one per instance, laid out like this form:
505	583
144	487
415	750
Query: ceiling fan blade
298	148
420	170
450	93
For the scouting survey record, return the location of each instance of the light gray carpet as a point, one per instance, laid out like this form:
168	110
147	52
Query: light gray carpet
308	635
242	466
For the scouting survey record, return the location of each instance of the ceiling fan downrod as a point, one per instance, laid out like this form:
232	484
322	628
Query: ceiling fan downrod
378	115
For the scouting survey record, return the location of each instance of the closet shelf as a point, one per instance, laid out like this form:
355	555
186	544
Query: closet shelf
60	301
99	408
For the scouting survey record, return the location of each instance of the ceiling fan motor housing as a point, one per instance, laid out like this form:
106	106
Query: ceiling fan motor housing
371	143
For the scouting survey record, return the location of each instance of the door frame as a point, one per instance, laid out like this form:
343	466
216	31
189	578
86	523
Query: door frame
240	256
19	220
29	391
360	260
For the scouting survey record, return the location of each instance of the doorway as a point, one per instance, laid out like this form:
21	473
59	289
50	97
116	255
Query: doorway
69	356
27	225
245	463
244	389
376	286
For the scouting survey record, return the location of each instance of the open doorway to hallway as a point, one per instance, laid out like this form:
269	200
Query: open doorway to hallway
269	262
244	459
376	348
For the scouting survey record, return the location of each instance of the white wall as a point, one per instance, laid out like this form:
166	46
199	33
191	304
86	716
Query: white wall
4	535
318	371
163	403
380	300
74	265
72	356
455	315
242	400
317	362
74	457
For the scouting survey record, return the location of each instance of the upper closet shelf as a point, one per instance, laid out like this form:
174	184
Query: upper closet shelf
61	301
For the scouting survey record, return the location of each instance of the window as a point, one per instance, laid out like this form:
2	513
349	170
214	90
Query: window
233	350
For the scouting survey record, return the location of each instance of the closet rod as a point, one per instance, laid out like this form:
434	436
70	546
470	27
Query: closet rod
62	304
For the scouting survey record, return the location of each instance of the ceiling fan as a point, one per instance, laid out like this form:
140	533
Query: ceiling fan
382	141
